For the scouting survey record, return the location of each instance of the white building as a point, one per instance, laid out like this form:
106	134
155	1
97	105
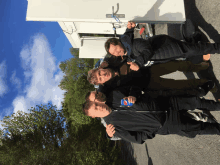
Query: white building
78	18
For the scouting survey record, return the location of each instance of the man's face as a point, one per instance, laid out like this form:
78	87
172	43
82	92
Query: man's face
97	96
98	109
103	75
116	50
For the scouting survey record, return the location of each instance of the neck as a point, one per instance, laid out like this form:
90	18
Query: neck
109	109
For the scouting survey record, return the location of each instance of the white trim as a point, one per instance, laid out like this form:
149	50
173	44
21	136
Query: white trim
71	33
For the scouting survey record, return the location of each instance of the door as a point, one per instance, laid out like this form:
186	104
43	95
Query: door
93	48
101	10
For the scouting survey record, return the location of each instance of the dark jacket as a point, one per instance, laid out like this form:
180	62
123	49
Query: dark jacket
145	102
140	78
159	48
147	117
134	124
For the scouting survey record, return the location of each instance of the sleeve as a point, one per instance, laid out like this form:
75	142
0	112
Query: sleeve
135	91
114	138
111	138
130	33
130	91
176	92
145	52
132	136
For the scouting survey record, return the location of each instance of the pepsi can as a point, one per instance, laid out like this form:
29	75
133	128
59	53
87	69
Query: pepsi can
125	102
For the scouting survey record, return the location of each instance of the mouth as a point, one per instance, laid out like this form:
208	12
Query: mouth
107	74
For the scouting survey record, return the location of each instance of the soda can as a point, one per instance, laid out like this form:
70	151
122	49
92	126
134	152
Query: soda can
125	102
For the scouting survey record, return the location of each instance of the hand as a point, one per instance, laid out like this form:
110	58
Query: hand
133	66
110	129
131	99
131	24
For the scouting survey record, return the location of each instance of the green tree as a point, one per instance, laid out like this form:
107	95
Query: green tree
91	145
30	137
76	85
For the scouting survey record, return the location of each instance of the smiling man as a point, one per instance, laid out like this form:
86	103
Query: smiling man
103	75
148	77
148	117
158	48
96	96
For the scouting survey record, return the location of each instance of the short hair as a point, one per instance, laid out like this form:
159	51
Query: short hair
86	106
92	77
113	41
87	95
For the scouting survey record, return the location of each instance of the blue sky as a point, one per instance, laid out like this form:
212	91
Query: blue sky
30	53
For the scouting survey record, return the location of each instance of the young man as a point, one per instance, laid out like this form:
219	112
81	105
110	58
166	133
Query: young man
148	77
148	117
205	116
158	48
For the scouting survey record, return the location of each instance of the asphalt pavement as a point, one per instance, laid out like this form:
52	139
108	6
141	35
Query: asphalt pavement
203	149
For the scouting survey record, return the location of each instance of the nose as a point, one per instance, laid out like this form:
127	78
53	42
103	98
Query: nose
102	73
103	107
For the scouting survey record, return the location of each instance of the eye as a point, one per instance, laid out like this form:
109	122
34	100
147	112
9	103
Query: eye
96	106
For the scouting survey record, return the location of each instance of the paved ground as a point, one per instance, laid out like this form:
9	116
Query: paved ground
204	149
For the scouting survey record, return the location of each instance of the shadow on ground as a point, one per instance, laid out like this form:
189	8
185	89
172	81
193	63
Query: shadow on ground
150	162
127	153
195	16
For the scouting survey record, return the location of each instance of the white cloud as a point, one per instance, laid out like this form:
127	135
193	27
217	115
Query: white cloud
39	67
19	103
15	80
3	75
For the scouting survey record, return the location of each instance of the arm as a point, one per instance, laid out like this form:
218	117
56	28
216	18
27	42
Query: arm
130	30
144	47
177	92
134	93
129	33
130	91
110	131
145	52
130	136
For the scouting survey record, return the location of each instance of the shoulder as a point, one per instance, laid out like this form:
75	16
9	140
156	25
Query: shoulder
138	41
